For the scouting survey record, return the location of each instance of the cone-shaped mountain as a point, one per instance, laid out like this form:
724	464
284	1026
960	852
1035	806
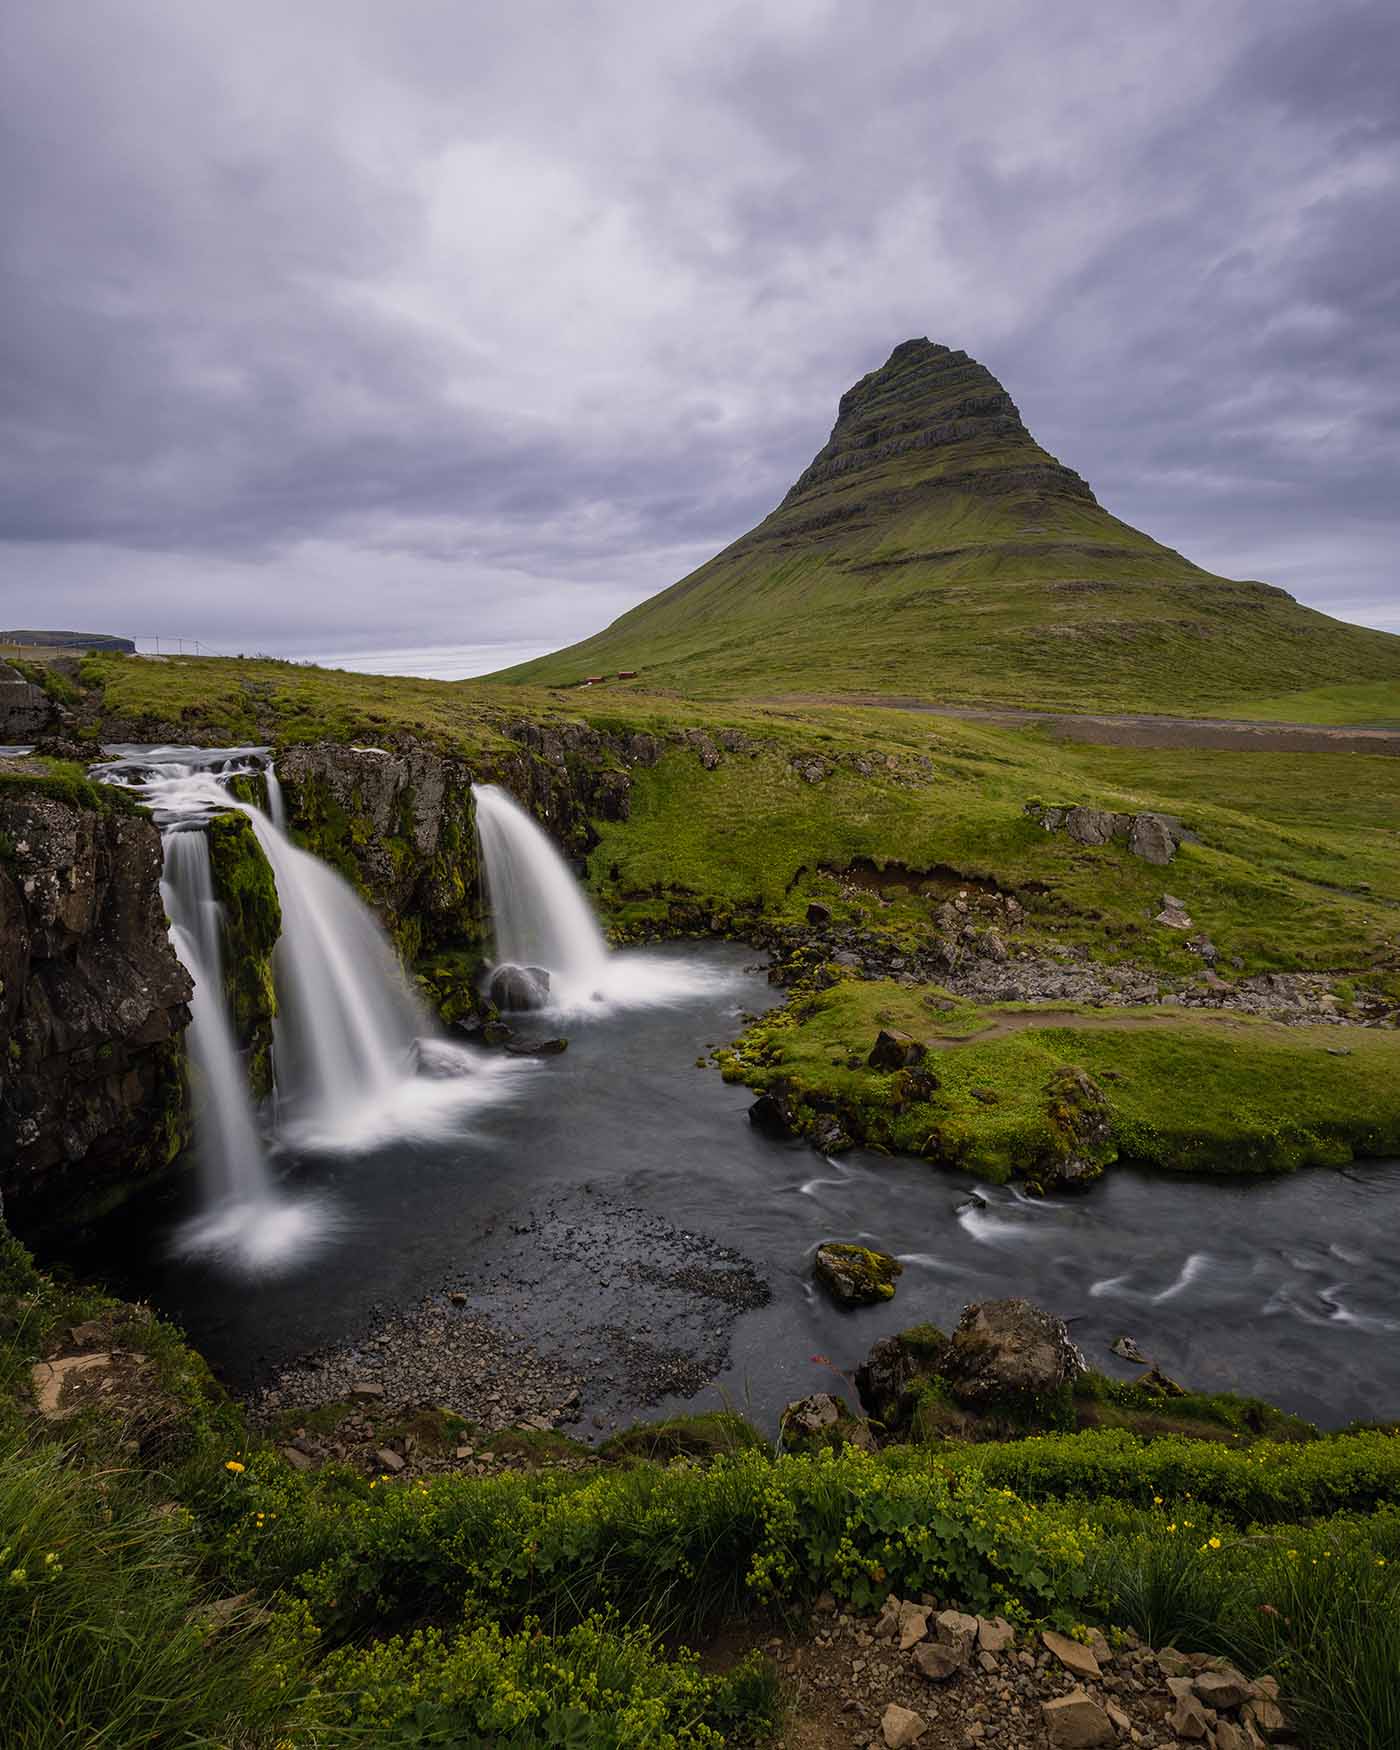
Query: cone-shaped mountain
934	550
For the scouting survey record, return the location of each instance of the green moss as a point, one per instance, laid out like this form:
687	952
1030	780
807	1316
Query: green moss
702	1437
1264	1098
65	781
244	882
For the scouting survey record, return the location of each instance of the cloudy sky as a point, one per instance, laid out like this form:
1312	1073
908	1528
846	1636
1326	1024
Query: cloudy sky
354	325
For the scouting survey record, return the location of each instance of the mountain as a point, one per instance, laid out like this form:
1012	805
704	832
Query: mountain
934	550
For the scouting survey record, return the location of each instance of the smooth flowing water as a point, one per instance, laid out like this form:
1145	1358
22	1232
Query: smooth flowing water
551	1190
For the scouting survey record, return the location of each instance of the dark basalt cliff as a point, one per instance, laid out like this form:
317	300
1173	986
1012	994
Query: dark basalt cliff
92	1007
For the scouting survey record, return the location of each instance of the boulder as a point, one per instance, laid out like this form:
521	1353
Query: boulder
889	1053
1153	838
1009	1353
827	1135
822	1420
773	1114
855	1275
518	1047
519	987
1223	1690
894	1366
955	1628
1078	1112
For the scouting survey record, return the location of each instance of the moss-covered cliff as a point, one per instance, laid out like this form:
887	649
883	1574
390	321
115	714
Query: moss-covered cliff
244	882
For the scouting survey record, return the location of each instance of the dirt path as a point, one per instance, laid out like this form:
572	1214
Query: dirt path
1139	730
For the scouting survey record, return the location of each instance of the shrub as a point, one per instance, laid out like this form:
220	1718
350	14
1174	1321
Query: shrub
595	1687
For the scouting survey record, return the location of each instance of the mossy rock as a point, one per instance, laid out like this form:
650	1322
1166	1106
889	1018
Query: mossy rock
822	1422
855	1275
711	1435
244	882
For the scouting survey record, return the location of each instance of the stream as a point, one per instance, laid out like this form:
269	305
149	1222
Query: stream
600	1205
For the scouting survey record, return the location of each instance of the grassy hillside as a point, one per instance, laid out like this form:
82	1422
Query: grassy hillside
934	550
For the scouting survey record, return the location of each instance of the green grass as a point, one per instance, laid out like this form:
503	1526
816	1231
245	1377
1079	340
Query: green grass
1367	705
1264	1098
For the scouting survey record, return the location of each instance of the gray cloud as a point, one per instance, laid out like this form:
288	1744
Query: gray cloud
336	328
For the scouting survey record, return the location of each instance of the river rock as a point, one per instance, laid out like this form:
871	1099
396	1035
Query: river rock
855	1275
887	1376
772	1113
519	987
1009	1351
518	1047
822	1420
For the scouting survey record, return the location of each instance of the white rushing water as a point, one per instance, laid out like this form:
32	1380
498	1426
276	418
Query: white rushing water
540	917
355	1059
242	1215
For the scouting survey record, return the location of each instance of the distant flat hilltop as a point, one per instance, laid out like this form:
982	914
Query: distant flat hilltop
69	640
934	550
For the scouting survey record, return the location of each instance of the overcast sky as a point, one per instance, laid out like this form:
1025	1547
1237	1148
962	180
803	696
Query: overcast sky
352	325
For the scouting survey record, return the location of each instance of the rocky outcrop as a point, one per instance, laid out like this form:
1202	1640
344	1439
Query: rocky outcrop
1009	1355
244	883
822	1420
397	822
26	711
1153	837
93	1004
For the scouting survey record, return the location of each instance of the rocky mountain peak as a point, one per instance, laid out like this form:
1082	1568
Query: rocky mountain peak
927	397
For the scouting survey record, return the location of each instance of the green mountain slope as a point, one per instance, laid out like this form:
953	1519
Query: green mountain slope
934	550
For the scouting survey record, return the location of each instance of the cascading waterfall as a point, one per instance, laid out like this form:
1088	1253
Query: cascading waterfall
347	1022
230	1149
354	1057
541	919
539	916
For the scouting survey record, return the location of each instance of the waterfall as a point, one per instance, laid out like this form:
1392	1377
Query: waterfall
355	1060
540	920
276	803
230	1149
539	916
347	1022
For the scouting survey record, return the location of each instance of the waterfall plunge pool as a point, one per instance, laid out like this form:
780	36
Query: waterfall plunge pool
580	1214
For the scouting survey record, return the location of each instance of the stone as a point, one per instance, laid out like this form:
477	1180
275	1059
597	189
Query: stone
1118	1718
1073	1655
1127	1350
1008	1349
1266	1716
887	1623
368	1390
1229	1736
1223	1690
1076	1722
956	1629
1155	1380
296	1458
515	987
913	1625
389	1460
818	914
1188	1718
518	1047
900	1726
823	1421
772	1113
1151	837
855	1275
938	1660
994	1634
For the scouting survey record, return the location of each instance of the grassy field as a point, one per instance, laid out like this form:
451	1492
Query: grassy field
1186	1092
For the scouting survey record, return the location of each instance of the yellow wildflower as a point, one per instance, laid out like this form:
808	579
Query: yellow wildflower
233	1465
